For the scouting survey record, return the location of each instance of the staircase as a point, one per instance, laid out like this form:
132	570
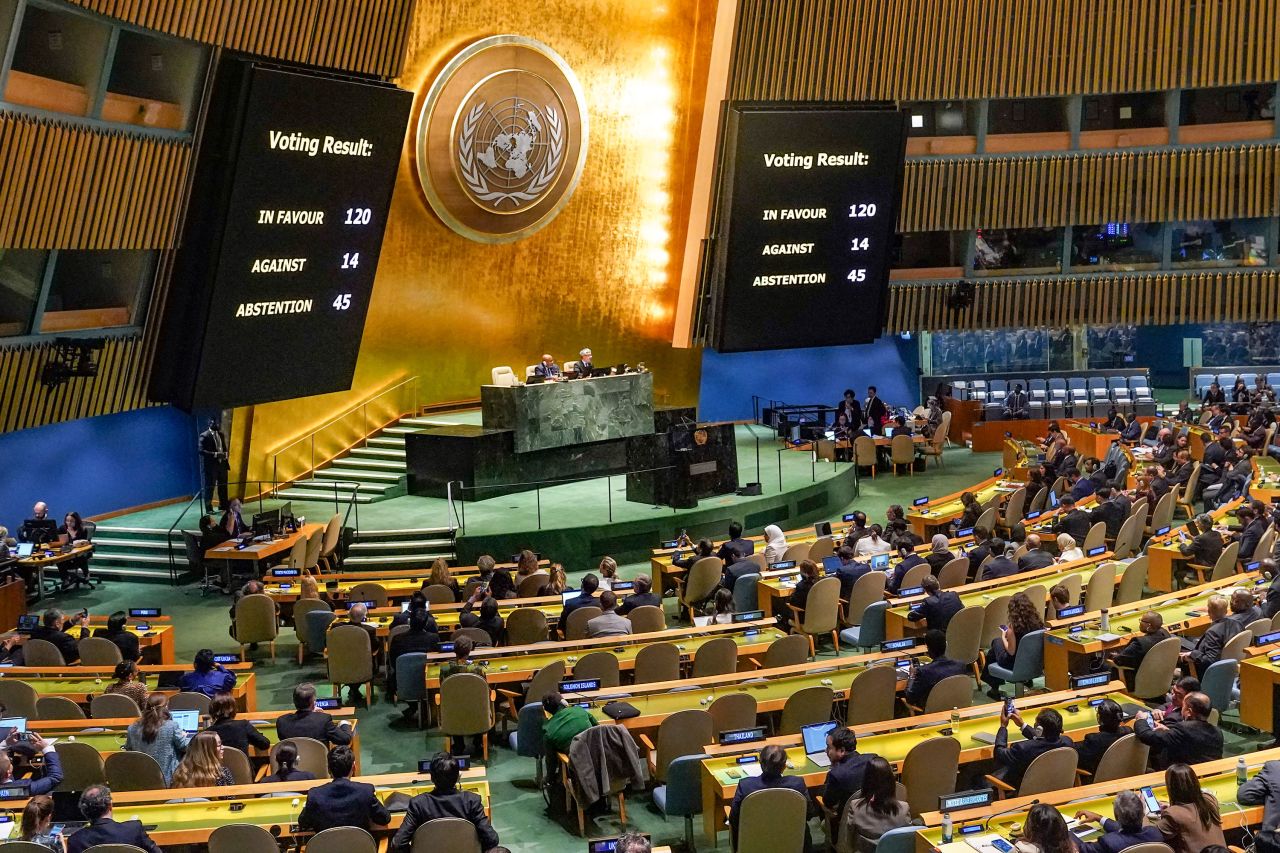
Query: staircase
378	468
136	553
392	549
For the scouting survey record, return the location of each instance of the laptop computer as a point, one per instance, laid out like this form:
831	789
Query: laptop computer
880	561
814	737
569	594
188	720
831	564
25	549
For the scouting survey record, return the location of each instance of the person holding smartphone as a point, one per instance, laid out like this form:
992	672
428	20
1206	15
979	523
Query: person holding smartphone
1128	828
37	823
1191	821
1014	760
52	765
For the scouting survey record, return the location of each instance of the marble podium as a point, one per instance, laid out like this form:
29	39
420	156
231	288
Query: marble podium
561	414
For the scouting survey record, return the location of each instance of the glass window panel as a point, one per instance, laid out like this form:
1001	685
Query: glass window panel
1027	115
1116	246
1229	104
1111	346
21	273
1018	251
941	118
993	351
1220	243
1238	344
929	249
1117	112
153	81
58	60
95	290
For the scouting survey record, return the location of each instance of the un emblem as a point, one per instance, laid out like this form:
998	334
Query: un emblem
502	139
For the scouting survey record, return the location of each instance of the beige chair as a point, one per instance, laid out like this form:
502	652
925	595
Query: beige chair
987	519
821	614
915	576
821	548
1139	509
238	763
1012	512
806	706
526	625
445	833
113	706
1223	568
1163	514
350	839
790	650
42	653
1155	673
133	771
313	756
1101	589
1038	500
18	697
329	545
902	451
1127	756
867	590
702	580
503	376
1148	847
188	701
864	453
964	636
478	636
1054	770
758	560
1258	627
995	614
369	591
1237	648
1187	498
954	691
732	711
297	558
1072	584
954	574
715	657
98	651
1266	542
1096	537
575	627
1038	595
81	765
544	681
938	441
256	622
315	544
929	771
772	820
1132	582
796	553
683	733
647	619
438	593
301	608
237	838
466	708
1129	538
58	708
871	695
657	662
598	665
530	584
350	659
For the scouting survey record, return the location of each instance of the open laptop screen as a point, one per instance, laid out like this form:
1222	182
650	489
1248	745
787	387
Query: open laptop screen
815	736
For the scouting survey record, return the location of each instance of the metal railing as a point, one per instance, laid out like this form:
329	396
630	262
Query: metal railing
344	431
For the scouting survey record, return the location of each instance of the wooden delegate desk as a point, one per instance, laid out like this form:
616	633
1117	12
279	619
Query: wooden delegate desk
400	584
1216	777
1259	678
1164	554
193	822
893	739
1070	642
260	553
81	683
1020	455
47	557
983	593
516	664
1089	440
938	514
155	641
1266	479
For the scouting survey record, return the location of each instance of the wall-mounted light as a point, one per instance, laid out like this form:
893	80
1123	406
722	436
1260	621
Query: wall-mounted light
55	40
1126	113
917	120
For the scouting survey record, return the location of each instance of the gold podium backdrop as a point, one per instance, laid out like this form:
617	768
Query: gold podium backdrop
602	274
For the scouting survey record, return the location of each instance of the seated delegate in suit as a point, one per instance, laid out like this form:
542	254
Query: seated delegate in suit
52	766
584	365
773	763
850	570
704	548
1013	761
736	546
1188	741
642	595
809	576
547	368
923	678
1208	650
1072	521
417	639
1015	403
1128	828
1002	564
585	598
848	767
937	608
124	640
206	676
1024	617
609	623
909	560
1108	512
95	805
343	802
306	721
1206	547
445	800
39	528
56	629
1264	790
1110	729
240	734
1034	558
1151	631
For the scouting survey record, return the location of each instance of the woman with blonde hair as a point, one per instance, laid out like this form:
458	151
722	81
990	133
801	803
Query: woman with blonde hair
608	572
157	734
202	766
441	576
1068	550
557	583
1024	617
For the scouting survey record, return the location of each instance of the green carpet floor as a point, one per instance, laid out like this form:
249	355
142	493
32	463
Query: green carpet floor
391	744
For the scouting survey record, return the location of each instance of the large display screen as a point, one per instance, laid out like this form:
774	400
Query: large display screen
806	223
288	218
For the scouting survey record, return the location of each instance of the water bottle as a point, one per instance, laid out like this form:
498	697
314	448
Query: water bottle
946	828
1242	771
955	722
1106	621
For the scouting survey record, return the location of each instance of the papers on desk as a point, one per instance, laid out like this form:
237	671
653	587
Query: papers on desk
988	738
984	843
753	769
1107	637
6	829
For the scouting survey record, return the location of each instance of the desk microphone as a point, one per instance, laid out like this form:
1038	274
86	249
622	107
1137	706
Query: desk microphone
986	824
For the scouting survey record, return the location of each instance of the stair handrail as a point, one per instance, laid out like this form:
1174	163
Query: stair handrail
365	432
168	536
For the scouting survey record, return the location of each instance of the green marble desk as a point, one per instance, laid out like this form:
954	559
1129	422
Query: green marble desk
578	411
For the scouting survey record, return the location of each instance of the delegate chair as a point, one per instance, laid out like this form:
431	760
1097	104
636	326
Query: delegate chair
1012	513
867	590
598	665
297	558
902	451
113	706
819	549
236	838
649	618
872	695
1188	495
438	593
715	657
805	707
329	556
702	580
864	453
198	702
1155	673
58	708
301	608
526	625
503	376
870	633
1101	589
954	691
1096	536
1129	538
1049	771
1126	757
411	669
1223	568
317	624
683	733
342	839
98	651
133	771
1218	683
821	614
529	587
445	833
681	796
238	763
315	543
745	595
478	636
732	711
576	626
82	765
784	651
954	574
544	681
18	698
995	614
313	756
527	741
1028	663
658	662
1237	648
369	591
256	622
1132	581
466	708
772	820
42	653
964	636
796	552
351	659
930	770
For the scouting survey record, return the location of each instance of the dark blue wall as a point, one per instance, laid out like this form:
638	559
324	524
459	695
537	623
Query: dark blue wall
800	376
1160	349
97	465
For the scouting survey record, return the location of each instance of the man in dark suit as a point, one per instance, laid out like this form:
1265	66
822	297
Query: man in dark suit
1271	605
1127	830
909	559
1072	521
1015	403
981	549
1151	624
1217	456
876	411
55	629
1206	547
937	608
445	800
852	410
1109	512
95	805
216	463
939	667
642	595
52	766
1110	729
124	640
1251	531
850	570
585	598
343	802
773	763
900	427
1082	487
1188	741
306	721
1013	761
736	546
1208	648
1180	468
844	777
547	368
1264	790
1034	558
1000	566
858	529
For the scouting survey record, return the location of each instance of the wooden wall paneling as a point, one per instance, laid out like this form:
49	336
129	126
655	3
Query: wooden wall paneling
119	385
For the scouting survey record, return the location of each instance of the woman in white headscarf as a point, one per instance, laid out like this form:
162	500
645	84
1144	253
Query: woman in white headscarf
775	544
1068	550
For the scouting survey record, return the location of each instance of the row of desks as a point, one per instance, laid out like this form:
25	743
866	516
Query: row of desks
81	683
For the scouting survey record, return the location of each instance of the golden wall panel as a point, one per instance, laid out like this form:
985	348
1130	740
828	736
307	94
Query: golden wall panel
119	386
602	274
72	187
940	49
1148	186
363	36
1170	298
